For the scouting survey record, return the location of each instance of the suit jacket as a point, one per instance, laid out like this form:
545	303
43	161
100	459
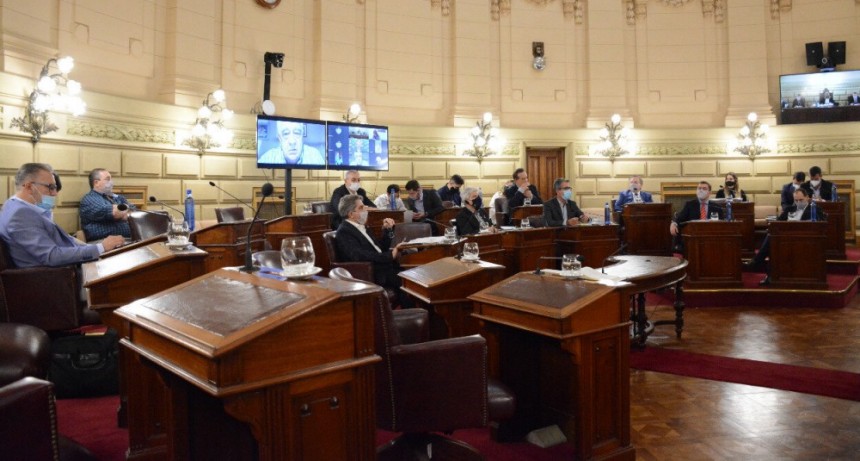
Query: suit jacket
690	212
827	188
432	203
552	212
469	223
787	196
832	101
722	194
806	216
352	246
626	196
34	240
852	100
516	198
338	194
798	103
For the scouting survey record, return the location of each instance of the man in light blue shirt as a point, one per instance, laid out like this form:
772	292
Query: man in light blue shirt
27	229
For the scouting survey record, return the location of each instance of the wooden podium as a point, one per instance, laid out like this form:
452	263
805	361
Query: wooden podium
311	225
797	254
524	248
646	228
563	346
835	244
259	368
225	242
442	287
713	249
520	212
418	254
593	243
744	212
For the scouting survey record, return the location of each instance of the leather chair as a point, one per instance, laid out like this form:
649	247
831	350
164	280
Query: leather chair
321	207
404	232
147	224
501	210
45	297
537	220
360	270
447	204
231	214
267	258
28	425
414	383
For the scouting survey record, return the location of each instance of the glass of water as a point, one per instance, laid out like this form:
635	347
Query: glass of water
484	225
715	216
177	233
297	255
570	265
470	251
525	223
527	201
450	234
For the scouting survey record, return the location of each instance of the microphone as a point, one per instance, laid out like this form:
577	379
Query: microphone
603	266
152	199
211	183
266	190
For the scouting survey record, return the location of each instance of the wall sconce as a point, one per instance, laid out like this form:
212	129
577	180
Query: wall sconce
485	139
539	62
752	138
351	116
209	130
48	95
614	140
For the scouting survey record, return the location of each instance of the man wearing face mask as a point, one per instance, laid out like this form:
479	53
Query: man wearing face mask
354	243
799	211
633	194
472	214
451	191
100	213
699	208
818	188
351	186
562	211
27	229
787	194
425	204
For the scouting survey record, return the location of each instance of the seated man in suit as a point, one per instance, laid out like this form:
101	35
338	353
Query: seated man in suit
787	194
826	98
799	101
351	186
522	190
818	188
634	194
425	204
853	99
561	210
699	208
471	217
27	229
383	201
799	211
100	213
354	243
451	192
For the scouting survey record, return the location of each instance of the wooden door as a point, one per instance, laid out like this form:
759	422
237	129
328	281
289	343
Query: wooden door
544	165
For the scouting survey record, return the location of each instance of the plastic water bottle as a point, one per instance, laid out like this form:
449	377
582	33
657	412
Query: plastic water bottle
392	199
813	211
606	214
728	210
189	209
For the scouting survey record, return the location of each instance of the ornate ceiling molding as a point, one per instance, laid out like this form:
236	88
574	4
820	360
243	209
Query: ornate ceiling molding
119	132
638	9
443	5
570	8
780	5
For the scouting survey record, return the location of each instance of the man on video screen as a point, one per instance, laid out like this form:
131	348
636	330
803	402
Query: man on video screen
291	148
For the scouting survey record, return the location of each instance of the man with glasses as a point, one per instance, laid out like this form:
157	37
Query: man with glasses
27	229
562	211
100	213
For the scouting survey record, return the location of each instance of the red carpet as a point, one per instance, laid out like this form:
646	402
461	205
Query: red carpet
829	383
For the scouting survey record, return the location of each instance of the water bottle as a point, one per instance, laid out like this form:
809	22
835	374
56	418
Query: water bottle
606	214
392	199
813	212
189	209
728	210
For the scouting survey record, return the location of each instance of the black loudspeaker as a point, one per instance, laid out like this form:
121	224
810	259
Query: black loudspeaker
836	52
814	53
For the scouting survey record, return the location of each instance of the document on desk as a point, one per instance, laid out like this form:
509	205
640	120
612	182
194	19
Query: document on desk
427	241
589	273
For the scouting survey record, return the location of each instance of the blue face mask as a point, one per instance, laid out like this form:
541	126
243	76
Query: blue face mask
47	203
478	203
567	194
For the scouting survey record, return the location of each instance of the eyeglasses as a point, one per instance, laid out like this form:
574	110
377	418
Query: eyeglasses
51	187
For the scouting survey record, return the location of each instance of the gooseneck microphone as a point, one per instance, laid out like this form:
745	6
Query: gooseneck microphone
211	183
603	266
152	199
266	190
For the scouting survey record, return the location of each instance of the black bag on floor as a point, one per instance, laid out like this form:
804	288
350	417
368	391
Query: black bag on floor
85	365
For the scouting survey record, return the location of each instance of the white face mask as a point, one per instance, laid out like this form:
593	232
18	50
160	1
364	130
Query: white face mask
800	204
354	186
795	186
362	217
702	194
815	182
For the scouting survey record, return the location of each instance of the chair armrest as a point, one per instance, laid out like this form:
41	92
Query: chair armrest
45	297
441	385
24	351
27	427
412	325
359	270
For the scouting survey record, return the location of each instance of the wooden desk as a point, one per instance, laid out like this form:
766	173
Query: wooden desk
743	212
311	225
489	246
563	347
425	253
835	245
135	245
593	243
797	254
646	228
523	248
226	242
520	212
375	217
445	217
713	249
442	287
257	368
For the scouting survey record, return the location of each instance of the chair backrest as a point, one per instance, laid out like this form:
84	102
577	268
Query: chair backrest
267	258
148	224
447	204
321	207
25	350
5	259
330	246
231	214
537	220
412	230
501	204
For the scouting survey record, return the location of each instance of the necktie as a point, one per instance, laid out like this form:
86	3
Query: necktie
703	211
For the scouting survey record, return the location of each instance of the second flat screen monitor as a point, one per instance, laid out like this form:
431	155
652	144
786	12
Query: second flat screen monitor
357	147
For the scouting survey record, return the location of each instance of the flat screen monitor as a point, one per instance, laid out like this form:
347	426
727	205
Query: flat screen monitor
286	142
357	147
807	90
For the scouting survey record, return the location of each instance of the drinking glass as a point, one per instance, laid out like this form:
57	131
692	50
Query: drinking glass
525	224
715	216
484	225
470	251
450	233
527	201
297	255
177	233
570	265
